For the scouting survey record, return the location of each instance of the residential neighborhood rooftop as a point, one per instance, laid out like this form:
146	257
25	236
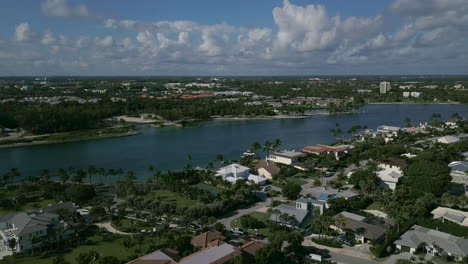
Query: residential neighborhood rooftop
417	235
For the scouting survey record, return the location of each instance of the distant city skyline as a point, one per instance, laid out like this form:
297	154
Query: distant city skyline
229	38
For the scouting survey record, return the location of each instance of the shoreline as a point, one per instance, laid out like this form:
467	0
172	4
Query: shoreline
275	117
52	141
412	103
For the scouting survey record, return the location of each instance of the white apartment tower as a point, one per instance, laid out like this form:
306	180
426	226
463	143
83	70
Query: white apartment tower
384	87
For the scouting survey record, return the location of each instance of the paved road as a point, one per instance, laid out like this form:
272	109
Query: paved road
227	221
356	255
107	226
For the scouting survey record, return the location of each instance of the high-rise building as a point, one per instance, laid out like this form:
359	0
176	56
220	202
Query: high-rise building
384	87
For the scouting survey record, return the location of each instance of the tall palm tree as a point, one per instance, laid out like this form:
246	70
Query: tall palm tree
92	170
63	175
267	147
255	147
101	172
110	174
276	144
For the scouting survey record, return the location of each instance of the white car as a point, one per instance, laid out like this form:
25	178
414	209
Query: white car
237	230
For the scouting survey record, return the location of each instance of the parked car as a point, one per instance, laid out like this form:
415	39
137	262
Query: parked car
237	231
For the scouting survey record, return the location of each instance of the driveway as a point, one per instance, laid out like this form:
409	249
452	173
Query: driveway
257	207
109	228
357	254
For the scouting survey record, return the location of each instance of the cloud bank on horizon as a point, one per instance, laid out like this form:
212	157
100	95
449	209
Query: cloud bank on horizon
408	37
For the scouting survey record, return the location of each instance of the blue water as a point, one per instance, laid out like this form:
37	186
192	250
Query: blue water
168	148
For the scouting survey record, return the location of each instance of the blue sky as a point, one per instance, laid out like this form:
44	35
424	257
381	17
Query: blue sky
217	37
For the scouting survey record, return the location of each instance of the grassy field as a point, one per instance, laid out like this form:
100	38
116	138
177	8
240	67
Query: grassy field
214	190
263	217
171	197
94	242
125	225
30	205
374	206
297	180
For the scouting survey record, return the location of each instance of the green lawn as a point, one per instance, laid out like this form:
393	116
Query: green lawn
27	206
94	242
263	217
125	225
212	189
297	180
447	227
374	206
171	197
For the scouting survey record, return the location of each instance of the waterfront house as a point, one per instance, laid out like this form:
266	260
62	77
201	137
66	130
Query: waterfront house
455	216
234	172
390	171
337	151
267	169
433	242
285	157
388	132
357	226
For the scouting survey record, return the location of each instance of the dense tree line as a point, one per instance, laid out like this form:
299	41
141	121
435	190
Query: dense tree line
68	116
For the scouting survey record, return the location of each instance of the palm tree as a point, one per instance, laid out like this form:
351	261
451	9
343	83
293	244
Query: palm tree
407	121
255	147
284	217
44	174
276	144
340	221
267	147
220	158
63	175
101	172
110	174
456	116
91	171
12	175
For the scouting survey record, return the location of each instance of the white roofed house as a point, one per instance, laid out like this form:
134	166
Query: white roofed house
452	215
388	132
390	171
286	157
234	172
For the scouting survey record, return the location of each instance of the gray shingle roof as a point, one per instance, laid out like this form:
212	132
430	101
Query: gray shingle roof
291	210
459	165
356	223
210	255
417	235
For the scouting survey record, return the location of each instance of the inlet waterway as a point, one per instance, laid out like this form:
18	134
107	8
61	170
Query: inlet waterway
168	148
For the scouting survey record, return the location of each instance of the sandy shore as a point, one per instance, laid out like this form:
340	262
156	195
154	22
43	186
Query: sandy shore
44	142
